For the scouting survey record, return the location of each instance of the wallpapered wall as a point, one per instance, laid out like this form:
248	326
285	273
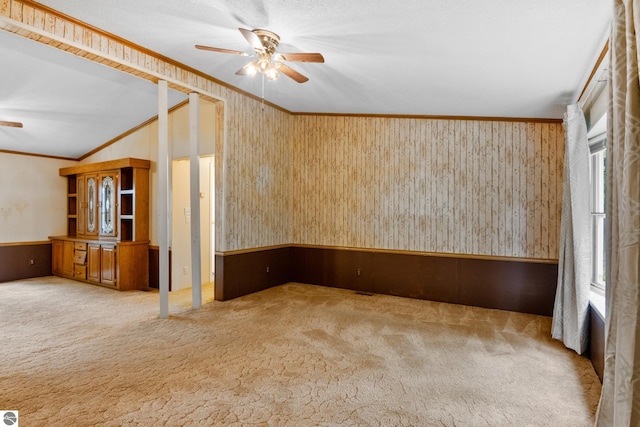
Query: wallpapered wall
257	173
455	186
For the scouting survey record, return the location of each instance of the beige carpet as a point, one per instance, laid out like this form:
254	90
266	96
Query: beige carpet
299	355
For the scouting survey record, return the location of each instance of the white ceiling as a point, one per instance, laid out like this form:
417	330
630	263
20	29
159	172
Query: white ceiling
68	105
497	58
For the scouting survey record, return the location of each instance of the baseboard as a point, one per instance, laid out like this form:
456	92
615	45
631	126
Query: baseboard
25	260
526	286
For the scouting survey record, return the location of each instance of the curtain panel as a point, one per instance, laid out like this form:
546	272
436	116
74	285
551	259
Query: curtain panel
620	399
571	308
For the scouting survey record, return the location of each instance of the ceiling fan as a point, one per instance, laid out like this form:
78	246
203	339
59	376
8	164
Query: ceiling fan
269	63
10	124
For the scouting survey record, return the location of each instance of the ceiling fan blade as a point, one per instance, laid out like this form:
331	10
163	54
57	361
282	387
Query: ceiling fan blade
291	73
302	57
253	39
10	124
217	49
248	70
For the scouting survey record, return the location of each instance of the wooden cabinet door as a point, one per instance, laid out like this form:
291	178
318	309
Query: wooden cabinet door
57	253
67	258
108	265
108	202
93	263
90	210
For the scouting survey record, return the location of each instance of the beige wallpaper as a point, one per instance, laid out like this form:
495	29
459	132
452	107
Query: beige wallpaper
257	175
455	186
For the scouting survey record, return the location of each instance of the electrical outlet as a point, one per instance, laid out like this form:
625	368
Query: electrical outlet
185	269
358	272
32	261
267	268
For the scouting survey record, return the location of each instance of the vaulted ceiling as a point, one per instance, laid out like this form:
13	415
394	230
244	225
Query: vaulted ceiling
495	58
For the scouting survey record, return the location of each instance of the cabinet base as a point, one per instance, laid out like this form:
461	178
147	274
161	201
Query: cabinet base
116	265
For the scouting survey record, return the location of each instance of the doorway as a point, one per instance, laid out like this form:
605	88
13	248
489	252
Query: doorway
181	273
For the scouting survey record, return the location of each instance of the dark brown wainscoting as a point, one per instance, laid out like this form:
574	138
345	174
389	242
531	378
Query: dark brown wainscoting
522	286
154	267
596	342
244	273
525	287
15	261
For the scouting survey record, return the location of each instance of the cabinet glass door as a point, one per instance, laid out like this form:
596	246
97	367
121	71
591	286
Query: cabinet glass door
91	204
108	189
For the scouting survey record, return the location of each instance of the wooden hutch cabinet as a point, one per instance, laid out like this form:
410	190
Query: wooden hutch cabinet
107	241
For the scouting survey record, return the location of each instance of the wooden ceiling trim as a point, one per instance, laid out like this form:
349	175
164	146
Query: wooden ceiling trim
435	117
46	156
603	55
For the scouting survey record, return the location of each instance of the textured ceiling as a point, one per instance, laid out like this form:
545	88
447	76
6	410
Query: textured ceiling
495	58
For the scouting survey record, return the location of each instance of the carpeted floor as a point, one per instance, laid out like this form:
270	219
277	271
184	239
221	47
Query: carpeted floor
298	355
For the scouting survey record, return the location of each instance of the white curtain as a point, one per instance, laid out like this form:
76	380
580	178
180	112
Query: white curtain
620	399
571	309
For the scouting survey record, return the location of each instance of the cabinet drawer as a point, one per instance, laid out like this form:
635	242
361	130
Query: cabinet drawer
80	246
80	272
79	257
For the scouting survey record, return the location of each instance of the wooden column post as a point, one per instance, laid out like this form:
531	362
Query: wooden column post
164	201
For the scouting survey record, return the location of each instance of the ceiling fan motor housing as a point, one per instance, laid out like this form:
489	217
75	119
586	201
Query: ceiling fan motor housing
269	40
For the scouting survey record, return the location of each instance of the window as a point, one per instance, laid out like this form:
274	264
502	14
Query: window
597	147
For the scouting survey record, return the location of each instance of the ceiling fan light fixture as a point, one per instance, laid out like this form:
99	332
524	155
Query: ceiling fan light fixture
251	69
265	43
272	73
264	64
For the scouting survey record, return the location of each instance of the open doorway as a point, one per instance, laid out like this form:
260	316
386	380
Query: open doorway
181	273
181	193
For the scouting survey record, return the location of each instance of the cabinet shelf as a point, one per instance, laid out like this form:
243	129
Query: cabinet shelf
126	203
126	227
126	179
71	185
72	206
72	222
